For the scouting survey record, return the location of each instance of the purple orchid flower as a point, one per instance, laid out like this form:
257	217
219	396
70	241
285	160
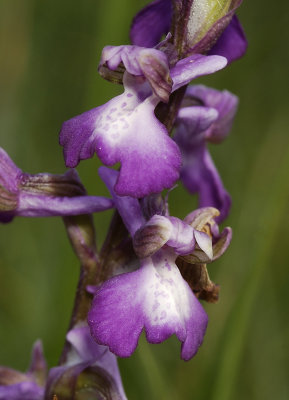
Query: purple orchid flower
84	357
155	19
196	124
16	385
91	361
155	297
43	195
126	129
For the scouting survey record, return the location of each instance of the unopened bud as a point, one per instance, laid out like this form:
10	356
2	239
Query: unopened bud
198	24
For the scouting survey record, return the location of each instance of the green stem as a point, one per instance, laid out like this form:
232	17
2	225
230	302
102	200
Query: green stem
80	230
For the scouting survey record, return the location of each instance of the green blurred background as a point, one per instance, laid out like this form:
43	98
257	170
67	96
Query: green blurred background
49	53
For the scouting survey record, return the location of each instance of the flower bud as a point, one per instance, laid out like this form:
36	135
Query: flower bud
198	24
43	195
29	385
90	371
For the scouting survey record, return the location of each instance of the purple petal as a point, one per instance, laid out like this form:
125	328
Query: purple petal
131	56
152	236
22	391
9	172
232	44
33	205
9	179
199	174
128	207
151	23
191	124
182	238
154	298
160	231
222	242
125	130
114	55
85	347
194	66
152	64
225	103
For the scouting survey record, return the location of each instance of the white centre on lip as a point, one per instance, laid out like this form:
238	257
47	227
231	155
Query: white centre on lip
167	302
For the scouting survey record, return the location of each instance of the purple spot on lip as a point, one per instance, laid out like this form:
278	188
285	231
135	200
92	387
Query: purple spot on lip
168	266
163	315
155	305
129	95
123	105
161	293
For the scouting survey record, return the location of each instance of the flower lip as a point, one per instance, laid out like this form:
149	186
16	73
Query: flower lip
109	130
154	298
